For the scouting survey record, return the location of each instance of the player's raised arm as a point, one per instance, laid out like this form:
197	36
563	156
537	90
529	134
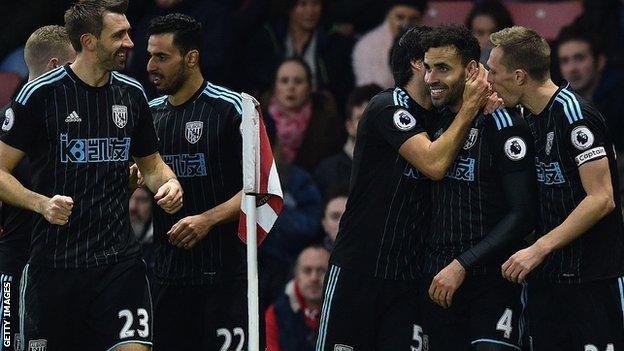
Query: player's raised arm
434	158
161	180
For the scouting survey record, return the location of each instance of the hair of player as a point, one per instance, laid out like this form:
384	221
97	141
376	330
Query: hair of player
407	47
44	44
87	16
575	32
187	32
360	95
301	62
495	10
457	36
524	49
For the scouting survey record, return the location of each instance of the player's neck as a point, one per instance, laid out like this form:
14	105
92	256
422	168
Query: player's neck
418	93
89	72
188	89
539	96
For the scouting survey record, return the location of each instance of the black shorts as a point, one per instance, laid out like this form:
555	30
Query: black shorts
85	308
365	313
202	317
584	317
9	311
485	310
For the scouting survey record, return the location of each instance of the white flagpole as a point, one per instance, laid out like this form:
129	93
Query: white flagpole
251	144
252	273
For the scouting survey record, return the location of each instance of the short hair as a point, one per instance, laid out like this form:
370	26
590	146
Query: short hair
315	246
187	32
406	48
43	44
420	5
525	49
577	33
457	36
494	9
301	62
86	16
360	95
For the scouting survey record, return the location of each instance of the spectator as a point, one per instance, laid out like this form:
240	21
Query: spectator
297	227
335	171
306	124
371	55
140	210
583	64
334	208
292	321
486	18
298	33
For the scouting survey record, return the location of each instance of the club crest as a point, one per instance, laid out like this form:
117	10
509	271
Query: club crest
550	138
472	138
194	131
120	115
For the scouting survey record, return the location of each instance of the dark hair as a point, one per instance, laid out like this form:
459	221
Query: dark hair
282	8
360	95
406	48
86	16
301	62
577	33
420	5
494	9
187	32
457	36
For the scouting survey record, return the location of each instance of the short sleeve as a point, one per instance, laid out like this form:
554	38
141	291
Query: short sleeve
584	139
396	124
20	128
144	140
512	143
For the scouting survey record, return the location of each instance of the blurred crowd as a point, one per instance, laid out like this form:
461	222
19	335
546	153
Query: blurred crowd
314	65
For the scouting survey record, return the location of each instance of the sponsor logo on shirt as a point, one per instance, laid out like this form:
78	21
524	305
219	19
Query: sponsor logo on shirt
187	165
94	150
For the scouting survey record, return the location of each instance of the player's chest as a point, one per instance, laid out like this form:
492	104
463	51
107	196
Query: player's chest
551	164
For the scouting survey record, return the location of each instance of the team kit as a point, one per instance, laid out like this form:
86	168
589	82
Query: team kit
483	211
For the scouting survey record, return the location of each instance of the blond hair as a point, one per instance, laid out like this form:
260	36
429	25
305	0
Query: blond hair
44	44
524	49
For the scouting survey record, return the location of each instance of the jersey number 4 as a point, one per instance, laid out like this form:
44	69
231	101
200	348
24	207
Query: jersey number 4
504	323
127	331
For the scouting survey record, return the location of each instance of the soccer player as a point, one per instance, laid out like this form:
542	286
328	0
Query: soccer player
84	287
200	288
575	290
481	210
370	290
47	48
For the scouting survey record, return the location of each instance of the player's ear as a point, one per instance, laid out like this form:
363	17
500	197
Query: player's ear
521	76
417	65
53	63
88	41
192	59
471	68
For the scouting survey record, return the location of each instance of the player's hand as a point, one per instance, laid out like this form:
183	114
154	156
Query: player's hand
136	178
58	209
188	231
169	196
477	89
492	104
446	283
516	268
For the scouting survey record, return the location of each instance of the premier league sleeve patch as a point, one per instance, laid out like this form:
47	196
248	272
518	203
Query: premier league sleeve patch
404	120
582	138
515	148
9	120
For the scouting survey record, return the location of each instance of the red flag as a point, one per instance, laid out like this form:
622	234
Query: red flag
260	176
